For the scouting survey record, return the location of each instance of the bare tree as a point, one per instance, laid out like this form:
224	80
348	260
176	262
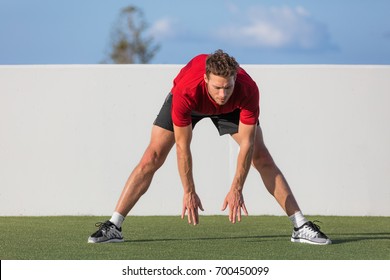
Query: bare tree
129	42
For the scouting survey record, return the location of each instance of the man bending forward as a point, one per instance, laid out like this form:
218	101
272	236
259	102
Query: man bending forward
210	86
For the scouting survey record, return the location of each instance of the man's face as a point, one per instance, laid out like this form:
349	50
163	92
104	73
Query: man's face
220	89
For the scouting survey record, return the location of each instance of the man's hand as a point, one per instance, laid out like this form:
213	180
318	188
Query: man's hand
191	203
235	200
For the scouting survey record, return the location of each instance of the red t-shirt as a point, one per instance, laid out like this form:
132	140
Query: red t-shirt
190	94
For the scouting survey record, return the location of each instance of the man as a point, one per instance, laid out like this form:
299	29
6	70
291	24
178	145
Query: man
213	86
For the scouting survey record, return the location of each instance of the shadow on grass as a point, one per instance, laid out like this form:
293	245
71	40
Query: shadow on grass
211	238
336	238
356	237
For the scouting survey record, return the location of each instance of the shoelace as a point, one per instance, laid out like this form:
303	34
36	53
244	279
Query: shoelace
314	228
106	230
102	225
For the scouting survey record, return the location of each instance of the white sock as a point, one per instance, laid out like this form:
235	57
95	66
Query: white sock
117	219
298	219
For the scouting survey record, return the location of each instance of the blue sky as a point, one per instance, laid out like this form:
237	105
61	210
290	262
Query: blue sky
254	31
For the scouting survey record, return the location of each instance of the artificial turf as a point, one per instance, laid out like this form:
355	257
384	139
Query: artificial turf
170	238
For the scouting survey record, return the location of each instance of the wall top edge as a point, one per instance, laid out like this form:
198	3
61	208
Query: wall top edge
276	66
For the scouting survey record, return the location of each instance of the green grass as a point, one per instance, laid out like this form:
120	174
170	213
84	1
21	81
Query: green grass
170	238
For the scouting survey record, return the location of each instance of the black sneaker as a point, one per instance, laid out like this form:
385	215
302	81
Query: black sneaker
310	233
107	233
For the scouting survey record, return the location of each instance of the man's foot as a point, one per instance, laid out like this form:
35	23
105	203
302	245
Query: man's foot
310	233
106	233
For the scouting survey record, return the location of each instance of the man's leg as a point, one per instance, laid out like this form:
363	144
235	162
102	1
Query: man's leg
137	184
276	184
272	177
139	180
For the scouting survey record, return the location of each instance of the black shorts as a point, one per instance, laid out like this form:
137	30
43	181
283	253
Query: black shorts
225	123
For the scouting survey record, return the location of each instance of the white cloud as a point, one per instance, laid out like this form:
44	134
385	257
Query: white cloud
277	28
163	28
262	34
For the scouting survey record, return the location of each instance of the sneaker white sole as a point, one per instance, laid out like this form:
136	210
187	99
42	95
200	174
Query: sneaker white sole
300	240
107	241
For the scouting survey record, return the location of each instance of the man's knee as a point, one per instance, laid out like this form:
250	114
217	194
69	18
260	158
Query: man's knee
151	160
261	159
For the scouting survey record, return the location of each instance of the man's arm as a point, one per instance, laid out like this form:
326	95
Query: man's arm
191	201
234	199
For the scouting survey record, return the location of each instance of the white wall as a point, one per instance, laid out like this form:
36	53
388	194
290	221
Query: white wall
70	135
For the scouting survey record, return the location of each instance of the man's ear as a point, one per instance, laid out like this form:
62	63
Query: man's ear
205	78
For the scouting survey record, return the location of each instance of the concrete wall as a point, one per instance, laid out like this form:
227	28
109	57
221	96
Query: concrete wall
70	135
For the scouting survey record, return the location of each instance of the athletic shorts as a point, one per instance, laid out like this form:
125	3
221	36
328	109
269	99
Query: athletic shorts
225	123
